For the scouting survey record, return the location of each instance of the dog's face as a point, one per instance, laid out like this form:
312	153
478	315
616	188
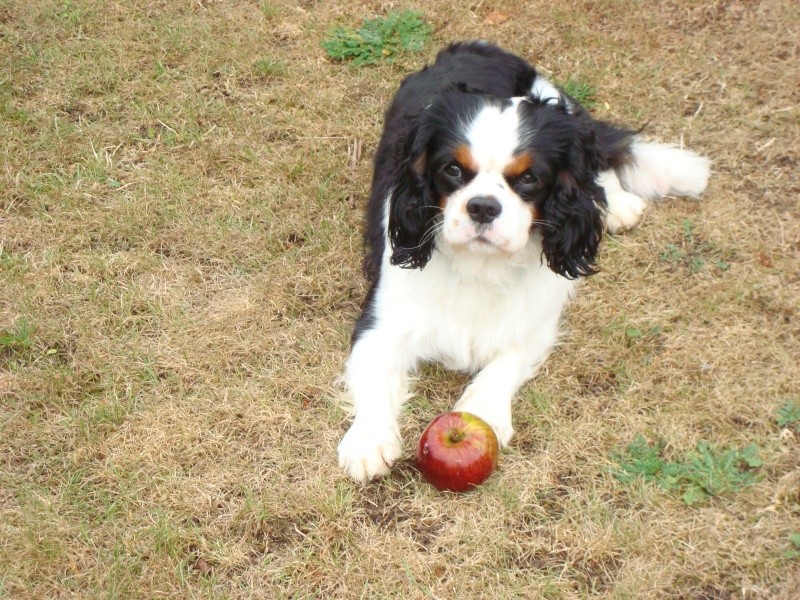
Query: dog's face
483	174
487	184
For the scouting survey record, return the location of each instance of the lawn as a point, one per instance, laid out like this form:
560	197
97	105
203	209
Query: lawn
182	186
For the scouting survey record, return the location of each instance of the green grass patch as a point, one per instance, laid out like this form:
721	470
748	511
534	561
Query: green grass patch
379	39
17	338
71	15
693	252
267	9
266	68
647	338
788	415
703	473
583	93
10	262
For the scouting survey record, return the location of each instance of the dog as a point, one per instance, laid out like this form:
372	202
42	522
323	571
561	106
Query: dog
492	190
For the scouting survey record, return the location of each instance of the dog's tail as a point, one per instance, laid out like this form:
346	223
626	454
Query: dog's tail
657	170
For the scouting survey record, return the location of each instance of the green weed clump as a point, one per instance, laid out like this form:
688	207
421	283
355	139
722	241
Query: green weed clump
18	338
693	252
788	415
379	39
704	473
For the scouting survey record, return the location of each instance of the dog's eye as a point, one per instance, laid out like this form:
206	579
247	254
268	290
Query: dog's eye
453	170
528	179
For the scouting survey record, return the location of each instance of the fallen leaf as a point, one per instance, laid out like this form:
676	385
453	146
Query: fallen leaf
202	565
495	18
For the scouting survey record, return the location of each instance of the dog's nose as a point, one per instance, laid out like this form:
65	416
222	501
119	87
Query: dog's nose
484	209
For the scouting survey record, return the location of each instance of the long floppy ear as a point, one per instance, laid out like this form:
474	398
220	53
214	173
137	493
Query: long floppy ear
574	211
412	210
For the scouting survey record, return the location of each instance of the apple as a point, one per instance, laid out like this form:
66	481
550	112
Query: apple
457	451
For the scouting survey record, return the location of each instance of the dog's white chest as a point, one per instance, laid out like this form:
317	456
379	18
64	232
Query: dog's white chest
464	318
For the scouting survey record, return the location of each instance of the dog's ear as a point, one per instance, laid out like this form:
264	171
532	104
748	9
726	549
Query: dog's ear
412	210
574	210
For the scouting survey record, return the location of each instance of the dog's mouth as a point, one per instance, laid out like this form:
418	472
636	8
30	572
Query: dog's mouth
479	234
480	238
481	243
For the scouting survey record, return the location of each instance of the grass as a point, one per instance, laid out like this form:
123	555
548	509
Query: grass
582	92
789	414
180	211
379	39
17	338
693	253
702	474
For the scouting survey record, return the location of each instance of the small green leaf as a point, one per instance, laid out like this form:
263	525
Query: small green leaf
633	333
751	457
694	496
722	265
697	264
672	254
794	538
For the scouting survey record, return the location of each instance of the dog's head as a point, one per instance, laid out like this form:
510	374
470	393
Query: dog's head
485	174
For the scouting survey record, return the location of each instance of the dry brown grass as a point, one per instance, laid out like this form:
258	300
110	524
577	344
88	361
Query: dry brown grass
180	224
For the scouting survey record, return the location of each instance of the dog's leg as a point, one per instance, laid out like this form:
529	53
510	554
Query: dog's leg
625	209
377	376
492	391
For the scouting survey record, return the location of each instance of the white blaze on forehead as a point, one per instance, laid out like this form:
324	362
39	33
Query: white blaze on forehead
493	136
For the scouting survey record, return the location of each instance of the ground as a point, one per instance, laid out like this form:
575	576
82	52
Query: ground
181	195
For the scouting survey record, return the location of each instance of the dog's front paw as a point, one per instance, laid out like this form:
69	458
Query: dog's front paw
368	451
498	418
625	210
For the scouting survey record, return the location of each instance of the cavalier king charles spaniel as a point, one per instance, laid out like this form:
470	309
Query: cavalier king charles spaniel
491	193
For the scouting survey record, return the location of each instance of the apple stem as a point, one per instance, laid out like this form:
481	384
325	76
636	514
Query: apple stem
455	436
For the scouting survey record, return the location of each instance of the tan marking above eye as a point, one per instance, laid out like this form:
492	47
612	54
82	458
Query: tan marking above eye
463	156
420	163
518	165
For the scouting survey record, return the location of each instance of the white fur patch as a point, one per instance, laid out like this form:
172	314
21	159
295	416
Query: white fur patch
548	93
660	170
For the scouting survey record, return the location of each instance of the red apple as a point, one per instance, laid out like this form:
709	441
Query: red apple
457	451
